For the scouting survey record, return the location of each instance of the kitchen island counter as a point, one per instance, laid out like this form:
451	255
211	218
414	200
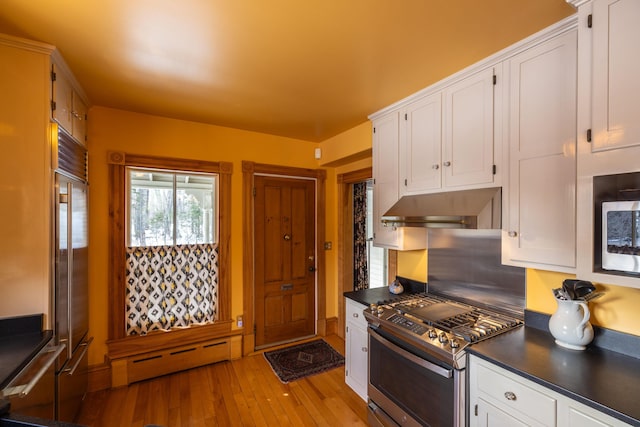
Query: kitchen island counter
606	380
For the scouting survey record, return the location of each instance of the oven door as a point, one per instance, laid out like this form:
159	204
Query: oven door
406	388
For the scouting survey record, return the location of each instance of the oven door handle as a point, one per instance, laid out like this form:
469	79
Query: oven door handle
439	370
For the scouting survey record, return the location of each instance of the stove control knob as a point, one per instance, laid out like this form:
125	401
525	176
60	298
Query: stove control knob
380	311
443	338
454	343
373	307
432	333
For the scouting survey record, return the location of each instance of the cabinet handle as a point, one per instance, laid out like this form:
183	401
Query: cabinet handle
513	233
76	115
355	315
447	164
509	395
435	167
365	349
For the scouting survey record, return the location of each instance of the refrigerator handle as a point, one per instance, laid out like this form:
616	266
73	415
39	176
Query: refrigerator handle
70	371
24	389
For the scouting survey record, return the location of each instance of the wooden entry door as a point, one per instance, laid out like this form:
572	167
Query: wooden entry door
285	259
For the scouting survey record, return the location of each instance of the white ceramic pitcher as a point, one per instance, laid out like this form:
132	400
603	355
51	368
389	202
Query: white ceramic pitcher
570	325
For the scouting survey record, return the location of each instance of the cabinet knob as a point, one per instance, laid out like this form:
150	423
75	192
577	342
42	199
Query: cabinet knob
365	349
509	395
513	233
447	163
436	167
355	315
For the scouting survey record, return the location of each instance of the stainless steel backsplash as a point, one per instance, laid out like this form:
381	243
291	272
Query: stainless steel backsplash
466	265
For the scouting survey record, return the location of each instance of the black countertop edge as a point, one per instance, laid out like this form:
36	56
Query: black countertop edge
604	338
605	380
26	421
377	295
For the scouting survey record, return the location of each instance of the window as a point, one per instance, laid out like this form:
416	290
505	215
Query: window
168	271
376	257
168	208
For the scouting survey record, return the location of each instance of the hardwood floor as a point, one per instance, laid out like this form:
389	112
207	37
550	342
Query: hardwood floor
242	392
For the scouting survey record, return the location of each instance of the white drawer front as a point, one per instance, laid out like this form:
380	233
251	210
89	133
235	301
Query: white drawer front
354	313
511	394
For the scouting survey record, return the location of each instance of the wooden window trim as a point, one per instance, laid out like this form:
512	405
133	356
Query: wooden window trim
249	169
120	345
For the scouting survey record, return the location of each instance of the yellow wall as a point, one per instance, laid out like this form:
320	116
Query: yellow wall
413	265
118	130
617	309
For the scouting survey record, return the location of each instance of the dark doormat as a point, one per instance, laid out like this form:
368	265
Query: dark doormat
303	360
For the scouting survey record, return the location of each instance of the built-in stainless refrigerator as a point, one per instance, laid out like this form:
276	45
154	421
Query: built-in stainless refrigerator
71	276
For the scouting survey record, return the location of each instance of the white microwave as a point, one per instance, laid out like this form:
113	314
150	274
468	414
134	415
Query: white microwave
621	236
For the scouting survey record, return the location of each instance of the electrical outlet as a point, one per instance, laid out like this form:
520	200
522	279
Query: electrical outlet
239	322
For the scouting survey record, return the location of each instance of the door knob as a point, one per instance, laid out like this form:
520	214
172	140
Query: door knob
312	269
286	237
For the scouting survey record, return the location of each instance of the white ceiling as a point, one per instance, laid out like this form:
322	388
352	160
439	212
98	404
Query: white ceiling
305	69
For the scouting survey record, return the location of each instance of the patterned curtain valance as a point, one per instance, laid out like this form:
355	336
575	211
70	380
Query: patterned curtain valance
170	286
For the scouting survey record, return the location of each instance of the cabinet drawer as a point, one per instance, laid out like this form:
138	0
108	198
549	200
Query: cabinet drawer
510	394
354	313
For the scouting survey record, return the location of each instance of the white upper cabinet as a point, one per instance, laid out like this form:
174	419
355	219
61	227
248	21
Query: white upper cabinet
541	218
616	67
421	146
68	107
385	173
468	131
386	133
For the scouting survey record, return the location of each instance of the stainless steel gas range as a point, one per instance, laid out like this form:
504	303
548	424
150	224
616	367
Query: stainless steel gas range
417	343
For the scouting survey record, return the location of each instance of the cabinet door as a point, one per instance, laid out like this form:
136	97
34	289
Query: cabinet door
63	98
616	67
79	118
468	131
356	361
420	142
542	184
490	416
385	174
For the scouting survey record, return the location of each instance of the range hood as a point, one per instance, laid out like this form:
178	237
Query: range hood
478	208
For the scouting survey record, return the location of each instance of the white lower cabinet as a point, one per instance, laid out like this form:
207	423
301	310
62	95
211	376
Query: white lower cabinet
499	398
356	348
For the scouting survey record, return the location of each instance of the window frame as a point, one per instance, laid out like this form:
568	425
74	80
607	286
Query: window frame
119	345
174	188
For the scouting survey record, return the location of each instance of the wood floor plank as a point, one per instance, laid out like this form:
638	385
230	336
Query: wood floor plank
243	392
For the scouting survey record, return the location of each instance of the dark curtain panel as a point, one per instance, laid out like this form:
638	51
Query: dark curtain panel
360	267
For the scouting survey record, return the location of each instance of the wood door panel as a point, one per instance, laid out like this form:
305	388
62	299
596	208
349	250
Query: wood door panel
284	221
299	306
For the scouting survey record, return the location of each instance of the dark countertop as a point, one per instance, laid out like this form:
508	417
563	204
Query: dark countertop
377	295
21	338
600	378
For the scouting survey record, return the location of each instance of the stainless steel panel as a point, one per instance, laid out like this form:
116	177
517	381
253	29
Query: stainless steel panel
32	392
72	383
466	265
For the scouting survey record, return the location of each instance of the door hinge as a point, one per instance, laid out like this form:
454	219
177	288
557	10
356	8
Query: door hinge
255	329
374	130
346	373
590	21
588	135
405	182
254	191
495	79
405	116
494	169
53	76
53	105
374	181
476	410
